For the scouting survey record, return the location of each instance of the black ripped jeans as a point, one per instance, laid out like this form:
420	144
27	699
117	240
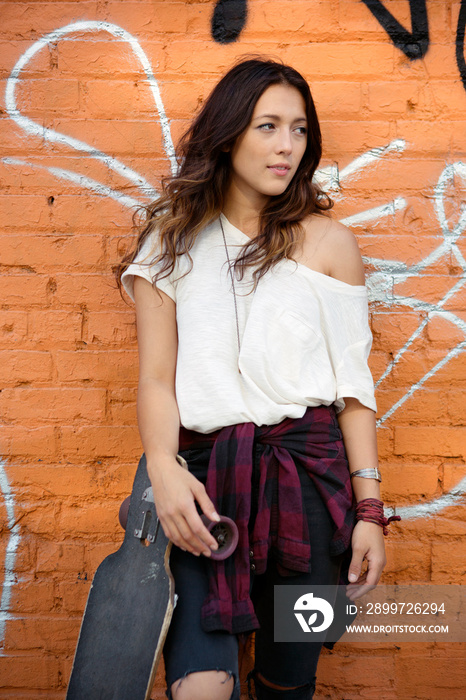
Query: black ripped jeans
189	649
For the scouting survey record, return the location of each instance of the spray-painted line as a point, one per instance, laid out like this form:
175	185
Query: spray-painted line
399	273
371	157
447	179
33	128
461	347
432	312
330	177
81	180
431	508
10	552
375	213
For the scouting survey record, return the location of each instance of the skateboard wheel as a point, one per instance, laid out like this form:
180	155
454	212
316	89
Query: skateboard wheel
123	512
226	534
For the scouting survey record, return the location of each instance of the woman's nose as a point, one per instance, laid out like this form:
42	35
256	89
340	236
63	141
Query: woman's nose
284	144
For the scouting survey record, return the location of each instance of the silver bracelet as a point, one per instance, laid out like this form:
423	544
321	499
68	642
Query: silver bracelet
372	473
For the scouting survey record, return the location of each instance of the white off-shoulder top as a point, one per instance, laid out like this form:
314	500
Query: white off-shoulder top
304	337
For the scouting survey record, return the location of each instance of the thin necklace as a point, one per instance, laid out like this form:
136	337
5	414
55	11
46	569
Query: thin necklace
232	284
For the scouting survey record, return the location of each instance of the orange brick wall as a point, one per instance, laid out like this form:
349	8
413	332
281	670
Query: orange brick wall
82	142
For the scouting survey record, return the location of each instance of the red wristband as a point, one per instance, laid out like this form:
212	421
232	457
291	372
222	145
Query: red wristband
371	510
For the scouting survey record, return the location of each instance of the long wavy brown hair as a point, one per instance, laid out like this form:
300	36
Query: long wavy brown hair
194	197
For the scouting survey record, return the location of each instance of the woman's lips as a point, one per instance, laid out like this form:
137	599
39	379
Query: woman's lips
280	170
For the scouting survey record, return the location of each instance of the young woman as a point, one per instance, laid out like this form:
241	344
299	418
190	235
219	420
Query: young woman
253	341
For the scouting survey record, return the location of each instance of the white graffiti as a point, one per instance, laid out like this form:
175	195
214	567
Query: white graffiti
381	283
10	552
32	128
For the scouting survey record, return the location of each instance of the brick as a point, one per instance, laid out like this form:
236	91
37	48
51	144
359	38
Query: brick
401	247
165	19
341	59
450	527
336	98
73	596
98	56
416	677
385	442
102	441
122	408
13	328
24	366
38	405
429	288
452	475
437	132
424	407
353	137
377	672
449	442
378	362
33	19
398	98
392	330
414	366
32	597
36	95
409	480
54	556
38	517
118	366
118	328
92	292
449	563
302	20
24	210
57	635
141	136
53	253
88	519
442	332
39	443
60	327
26	290
31	672
60	480
410	561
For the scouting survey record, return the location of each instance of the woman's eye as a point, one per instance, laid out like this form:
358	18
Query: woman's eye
302	130
267	127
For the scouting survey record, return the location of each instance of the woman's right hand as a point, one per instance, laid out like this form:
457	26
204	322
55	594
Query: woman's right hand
176	492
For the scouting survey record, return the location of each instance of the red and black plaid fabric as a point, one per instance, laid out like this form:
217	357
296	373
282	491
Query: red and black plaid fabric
280	529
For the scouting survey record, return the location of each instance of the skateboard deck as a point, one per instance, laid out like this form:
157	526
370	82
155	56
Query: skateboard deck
128	610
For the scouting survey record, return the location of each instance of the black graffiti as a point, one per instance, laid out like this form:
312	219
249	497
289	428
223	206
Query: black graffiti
460	42
228	20
414	43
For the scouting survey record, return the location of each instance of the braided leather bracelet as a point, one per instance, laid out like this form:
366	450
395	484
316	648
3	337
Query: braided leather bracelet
371	510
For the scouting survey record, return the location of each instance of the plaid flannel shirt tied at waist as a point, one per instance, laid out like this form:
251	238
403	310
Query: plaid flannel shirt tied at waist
280	529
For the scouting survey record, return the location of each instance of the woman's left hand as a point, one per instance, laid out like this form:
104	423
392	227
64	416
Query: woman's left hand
367	544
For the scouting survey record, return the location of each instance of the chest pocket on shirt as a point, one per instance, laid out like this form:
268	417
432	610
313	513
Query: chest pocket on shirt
289	359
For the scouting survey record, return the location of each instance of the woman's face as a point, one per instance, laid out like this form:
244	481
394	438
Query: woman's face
266	156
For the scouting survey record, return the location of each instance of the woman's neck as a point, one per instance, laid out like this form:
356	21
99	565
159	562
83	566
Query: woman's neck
243	213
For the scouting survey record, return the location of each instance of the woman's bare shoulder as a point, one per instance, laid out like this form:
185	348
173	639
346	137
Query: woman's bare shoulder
337	247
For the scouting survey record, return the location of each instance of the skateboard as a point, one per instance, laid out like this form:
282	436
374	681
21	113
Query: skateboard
131	603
